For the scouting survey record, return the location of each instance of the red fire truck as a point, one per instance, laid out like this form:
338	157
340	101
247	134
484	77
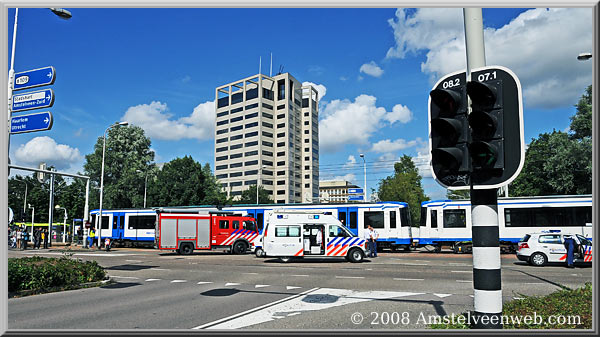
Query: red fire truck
185	230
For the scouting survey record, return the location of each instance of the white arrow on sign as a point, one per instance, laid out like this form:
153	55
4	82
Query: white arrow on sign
49	74
47	120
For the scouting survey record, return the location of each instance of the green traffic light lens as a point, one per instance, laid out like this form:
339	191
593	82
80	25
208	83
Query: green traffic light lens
483	154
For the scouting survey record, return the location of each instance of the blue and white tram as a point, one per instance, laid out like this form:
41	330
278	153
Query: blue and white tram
126	226
390	219
448	222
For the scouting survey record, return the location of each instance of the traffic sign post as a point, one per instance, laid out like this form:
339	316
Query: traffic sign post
34	78
356	198
40	121
33	100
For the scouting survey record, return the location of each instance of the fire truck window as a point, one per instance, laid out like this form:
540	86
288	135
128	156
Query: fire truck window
224	224
235	224
249	225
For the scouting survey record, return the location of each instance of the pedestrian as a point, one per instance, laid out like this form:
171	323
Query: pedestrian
79	236
25	237
371	236
91	237
45	238
13	237
570	246
19	237
35	238
38	238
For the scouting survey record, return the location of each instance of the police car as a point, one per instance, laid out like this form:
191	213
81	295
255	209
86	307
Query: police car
538	249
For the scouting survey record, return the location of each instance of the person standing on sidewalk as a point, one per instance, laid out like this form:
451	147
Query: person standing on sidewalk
45	238
19	237
92	236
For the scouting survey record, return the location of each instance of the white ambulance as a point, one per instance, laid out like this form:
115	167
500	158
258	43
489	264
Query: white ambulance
302	233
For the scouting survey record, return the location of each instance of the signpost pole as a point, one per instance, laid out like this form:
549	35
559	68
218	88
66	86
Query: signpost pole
487	283
51	210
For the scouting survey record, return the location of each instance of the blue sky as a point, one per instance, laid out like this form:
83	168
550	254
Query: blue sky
158	69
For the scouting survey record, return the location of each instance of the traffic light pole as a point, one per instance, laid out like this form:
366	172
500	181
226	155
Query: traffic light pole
487	295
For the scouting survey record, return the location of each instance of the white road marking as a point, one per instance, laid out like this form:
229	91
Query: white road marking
261	285
251	273
128	277
231	284
458	264
461	271
203	282
314	300
413	264
518	298
292	287
442	295
464	281
408	279
293	314
538	283
133	260
160	269
152	279
203	326
178	281
301	275
349	276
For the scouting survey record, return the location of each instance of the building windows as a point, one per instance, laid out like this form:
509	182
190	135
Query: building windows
237	119
267	115
251	125
267	134
234	165
268	94
281	163
221	149
221	167
251	172
280	107
306	158
280	173
306	140
251	106
235	155
251	153
265	143
280	144
221	114
251	134
236	146
221	158
306	185
280	182
280	90
221	176
252	115
222	131
250	182
280	116
234	184
281	125
236	110
222	140
254	143
267	153
307	176
306	149
281	193
223	122
251	162
236	137
282	153
306	132
307	167
281	134
235	174
306	122
237	128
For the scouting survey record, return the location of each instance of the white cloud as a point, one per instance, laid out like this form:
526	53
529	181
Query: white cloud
540	46
344	122
387	145
371	69
157	123
321	89
45	149
351	177
351	160
400	113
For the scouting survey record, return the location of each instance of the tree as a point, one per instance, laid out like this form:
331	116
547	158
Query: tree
404	185
127	151
559	163
212	188
249	196
180	182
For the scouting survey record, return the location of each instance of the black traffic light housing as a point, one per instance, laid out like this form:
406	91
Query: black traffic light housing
449	130
490	142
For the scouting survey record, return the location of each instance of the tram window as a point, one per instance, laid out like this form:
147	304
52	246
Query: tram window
104	222
405	217
433	218
547	216
141	222
353	220
121	221
393	219
259	221
517	217
423	216
342	217
115	224
375	219
455	218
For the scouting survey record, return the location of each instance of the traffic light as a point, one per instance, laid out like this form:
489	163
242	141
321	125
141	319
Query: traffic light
496	123
449	131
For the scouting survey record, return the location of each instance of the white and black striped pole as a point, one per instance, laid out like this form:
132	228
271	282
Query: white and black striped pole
487	294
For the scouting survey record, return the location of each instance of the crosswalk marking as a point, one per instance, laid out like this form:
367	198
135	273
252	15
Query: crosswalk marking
261	285
231	284
178	281
203	282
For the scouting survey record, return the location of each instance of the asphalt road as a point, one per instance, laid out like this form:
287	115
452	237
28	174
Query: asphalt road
213	290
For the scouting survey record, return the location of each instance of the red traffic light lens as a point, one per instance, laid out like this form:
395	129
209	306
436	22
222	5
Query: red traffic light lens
447	100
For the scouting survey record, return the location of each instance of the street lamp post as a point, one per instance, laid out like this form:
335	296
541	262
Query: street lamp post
584	56
258	180
32	218
365	172
64	222
145	185
99	222
62	13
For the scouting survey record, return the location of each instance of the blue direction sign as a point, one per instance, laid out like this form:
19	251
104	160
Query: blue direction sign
40	121
33	100
355	190
355	198
34	78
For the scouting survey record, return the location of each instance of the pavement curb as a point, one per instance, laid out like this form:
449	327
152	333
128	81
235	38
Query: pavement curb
24	293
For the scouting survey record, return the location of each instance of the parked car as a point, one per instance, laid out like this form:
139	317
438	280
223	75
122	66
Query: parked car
539	249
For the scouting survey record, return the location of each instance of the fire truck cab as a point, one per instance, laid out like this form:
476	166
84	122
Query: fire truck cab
185	230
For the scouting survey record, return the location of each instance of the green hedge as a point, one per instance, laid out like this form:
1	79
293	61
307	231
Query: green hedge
40	273
566	302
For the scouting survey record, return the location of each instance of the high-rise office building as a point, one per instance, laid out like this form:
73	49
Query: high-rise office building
267	132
